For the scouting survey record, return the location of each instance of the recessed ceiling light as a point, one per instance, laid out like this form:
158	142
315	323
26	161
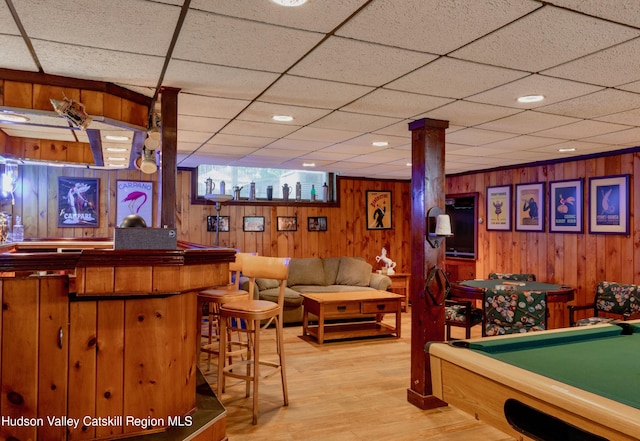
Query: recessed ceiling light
290	2
13	117
409	164
530	98
572	149
109	164
380	143
115	159
117	138
308	164
282	118
116	149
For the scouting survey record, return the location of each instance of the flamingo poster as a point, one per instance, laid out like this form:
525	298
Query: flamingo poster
78	202
134	197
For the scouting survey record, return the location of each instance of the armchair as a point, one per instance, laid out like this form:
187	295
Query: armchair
513	311
612	301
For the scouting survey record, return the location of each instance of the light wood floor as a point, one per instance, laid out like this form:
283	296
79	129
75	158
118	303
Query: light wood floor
344	391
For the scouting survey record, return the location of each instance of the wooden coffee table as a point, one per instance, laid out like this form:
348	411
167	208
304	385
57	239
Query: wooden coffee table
348	305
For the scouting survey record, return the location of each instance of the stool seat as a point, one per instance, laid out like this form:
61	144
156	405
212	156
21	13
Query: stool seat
253	307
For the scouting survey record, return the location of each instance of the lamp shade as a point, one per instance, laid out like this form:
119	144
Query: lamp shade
443	225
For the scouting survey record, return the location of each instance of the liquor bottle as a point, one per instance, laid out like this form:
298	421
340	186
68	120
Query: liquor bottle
313	192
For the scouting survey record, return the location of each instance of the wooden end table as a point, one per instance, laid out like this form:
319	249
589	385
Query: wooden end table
349	305
400	281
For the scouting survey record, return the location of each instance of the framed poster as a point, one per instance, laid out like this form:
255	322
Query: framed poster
566	206
317	223
499	208
529	207
212	223
609	205
78	202
287	223
134	197
253	223
378	210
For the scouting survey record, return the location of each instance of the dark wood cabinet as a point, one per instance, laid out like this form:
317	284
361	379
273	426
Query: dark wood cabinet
460	269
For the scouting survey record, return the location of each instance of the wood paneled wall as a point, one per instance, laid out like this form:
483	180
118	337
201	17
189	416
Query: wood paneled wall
579	260
346	234
36	199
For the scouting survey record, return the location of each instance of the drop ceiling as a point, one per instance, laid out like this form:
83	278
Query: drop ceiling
352	72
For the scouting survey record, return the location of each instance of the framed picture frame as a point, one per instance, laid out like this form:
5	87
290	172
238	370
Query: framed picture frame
609	205
253	223
78	202
212	223
134	197
318	223
287	223
566	206
499	208
378	210
529	207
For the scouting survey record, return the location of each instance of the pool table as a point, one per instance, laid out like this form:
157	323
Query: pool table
562	384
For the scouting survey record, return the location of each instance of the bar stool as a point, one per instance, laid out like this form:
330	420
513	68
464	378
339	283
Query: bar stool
258	315
214	297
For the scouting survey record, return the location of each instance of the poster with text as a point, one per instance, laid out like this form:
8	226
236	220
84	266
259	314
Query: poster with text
78	202
134	197
499	208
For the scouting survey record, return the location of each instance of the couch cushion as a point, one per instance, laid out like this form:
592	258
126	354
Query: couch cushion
291	298
267	283
331	266
315	289
306	271
354	272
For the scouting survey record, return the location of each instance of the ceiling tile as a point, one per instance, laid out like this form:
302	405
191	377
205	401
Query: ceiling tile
426	25
317	134
528	121
264	112
610	67
314	16
353	121
465	113
230	82
545	38
214	39
300	91
471	78
581	129
595	105
395	104
625	11
198	105
356	62
260	129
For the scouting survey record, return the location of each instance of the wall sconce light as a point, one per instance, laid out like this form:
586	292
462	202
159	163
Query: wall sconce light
438	226
148	162
153	134
9	180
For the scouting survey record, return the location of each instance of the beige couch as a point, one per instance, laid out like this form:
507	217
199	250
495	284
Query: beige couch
317	275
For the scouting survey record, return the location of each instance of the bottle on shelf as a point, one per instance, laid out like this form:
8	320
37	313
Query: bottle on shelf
313	192
18	230
325	192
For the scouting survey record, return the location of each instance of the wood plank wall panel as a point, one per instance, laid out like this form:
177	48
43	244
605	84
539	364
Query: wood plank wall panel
580	260
346	236
36	199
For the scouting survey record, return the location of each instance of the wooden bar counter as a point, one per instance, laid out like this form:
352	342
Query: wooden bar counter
115	355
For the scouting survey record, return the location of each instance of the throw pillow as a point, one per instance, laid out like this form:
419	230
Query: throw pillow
331	266
267	283
354	272
305	271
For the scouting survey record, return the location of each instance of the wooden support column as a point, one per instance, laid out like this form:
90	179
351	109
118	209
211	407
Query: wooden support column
169	168
428	190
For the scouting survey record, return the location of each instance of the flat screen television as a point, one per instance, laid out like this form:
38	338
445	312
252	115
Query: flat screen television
462	211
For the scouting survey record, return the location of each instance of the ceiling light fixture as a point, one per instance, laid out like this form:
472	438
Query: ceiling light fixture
282	118
12	117
565	150
308	164
380	143
116	149
114	158
290	3
117	138
530	98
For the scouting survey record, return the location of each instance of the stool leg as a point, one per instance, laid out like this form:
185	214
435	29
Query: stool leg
256	368
210	339
221	355
280	343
